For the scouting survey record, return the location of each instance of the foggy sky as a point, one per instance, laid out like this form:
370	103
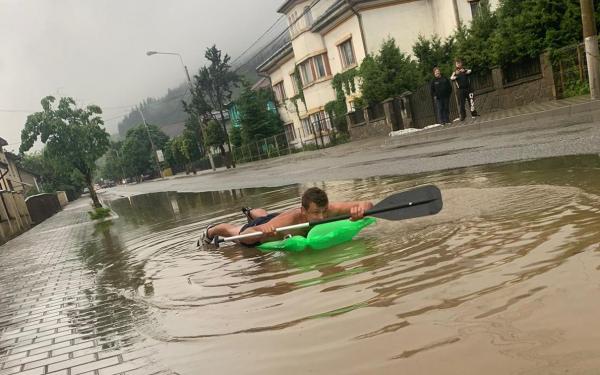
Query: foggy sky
95	50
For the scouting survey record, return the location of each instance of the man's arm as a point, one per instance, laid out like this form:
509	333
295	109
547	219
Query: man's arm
355	209
268	229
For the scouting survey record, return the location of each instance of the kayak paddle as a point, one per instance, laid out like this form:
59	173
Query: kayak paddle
418	202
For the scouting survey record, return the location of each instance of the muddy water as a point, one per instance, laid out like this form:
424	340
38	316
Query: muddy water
505	280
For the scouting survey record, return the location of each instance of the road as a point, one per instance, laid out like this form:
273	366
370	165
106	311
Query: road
453	147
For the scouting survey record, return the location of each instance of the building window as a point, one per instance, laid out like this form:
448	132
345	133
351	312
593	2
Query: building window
308	20
300	22
314	68
320	122
293	24
347	54
306	127
279	92
474	7
306	72
290	132
320	66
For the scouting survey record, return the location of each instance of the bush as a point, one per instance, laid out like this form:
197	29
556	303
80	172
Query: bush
434	52
576	88
99	213
388	74
341	138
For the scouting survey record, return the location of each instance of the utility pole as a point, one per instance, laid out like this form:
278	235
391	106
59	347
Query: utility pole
187	75
456	14
151	144
590	38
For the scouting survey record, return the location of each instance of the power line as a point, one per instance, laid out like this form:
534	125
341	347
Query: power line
17	110
257	40
286	30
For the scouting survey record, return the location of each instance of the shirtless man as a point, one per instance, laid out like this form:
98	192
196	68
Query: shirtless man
315	206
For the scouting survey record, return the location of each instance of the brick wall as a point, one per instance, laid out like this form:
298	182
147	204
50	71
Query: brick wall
493	93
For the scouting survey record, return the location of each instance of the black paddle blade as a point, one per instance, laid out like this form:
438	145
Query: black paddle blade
422	201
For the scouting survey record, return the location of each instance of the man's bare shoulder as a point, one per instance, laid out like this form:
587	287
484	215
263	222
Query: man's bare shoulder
293	215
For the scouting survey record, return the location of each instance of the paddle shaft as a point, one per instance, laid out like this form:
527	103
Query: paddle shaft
371	212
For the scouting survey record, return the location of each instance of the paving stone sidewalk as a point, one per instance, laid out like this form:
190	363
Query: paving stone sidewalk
52	318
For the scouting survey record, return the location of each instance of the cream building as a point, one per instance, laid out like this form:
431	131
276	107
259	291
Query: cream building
12	177
331	36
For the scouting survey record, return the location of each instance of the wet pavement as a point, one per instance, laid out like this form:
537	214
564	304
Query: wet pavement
503	280
454	147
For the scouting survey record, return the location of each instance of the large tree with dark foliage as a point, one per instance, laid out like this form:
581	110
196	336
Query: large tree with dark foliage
74	137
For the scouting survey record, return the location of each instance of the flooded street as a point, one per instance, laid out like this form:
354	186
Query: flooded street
504	280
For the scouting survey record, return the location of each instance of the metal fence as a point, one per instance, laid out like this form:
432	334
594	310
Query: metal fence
570	71
376	112
528	67
266	148
482	81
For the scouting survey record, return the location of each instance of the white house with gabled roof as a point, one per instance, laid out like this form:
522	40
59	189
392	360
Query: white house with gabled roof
331	36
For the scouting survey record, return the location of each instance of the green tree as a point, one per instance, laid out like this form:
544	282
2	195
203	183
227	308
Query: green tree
236	136
52	178
74	137
193	132
387	74
474	44
257	120
173	153
434	52
113	164
182	150
525	28
137	150
212	89
214	135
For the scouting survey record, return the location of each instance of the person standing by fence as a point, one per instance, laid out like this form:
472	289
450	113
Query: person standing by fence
441	89
462	79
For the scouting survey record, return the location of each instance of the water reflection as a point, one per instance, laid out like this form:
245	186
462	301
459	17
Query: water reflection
512	244
105	313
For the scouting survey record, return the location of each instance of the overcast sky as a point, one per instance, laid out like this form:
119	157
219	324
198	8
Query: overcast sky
95	50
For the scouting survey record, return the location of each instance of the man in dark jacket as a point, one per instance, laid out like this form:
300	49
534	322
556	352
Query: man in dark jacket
441	89
462	79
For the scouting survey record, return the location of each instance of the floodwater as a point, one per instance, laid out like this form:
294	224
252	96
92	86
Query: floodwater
505	280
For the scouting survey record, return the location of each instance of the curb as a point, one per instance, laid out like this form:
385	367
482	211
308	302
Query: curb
572	114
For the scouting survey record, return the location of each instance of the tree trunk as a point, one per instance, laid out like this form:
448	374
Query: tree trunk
225	156
90	186
231	161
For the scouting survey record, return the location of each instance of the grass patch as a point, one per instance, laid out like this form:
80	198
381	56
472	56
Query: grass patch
99	213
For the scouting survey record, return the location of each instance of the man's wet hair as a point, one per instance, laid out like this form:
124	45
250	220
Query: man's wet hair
315	195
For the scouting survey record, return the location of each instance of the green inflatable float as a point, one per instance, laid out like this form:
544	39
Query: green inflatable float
320	237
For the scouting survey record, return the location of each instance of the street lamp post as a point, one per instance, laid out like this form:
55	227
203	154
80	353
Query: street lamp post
187	74
121	164
151	144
